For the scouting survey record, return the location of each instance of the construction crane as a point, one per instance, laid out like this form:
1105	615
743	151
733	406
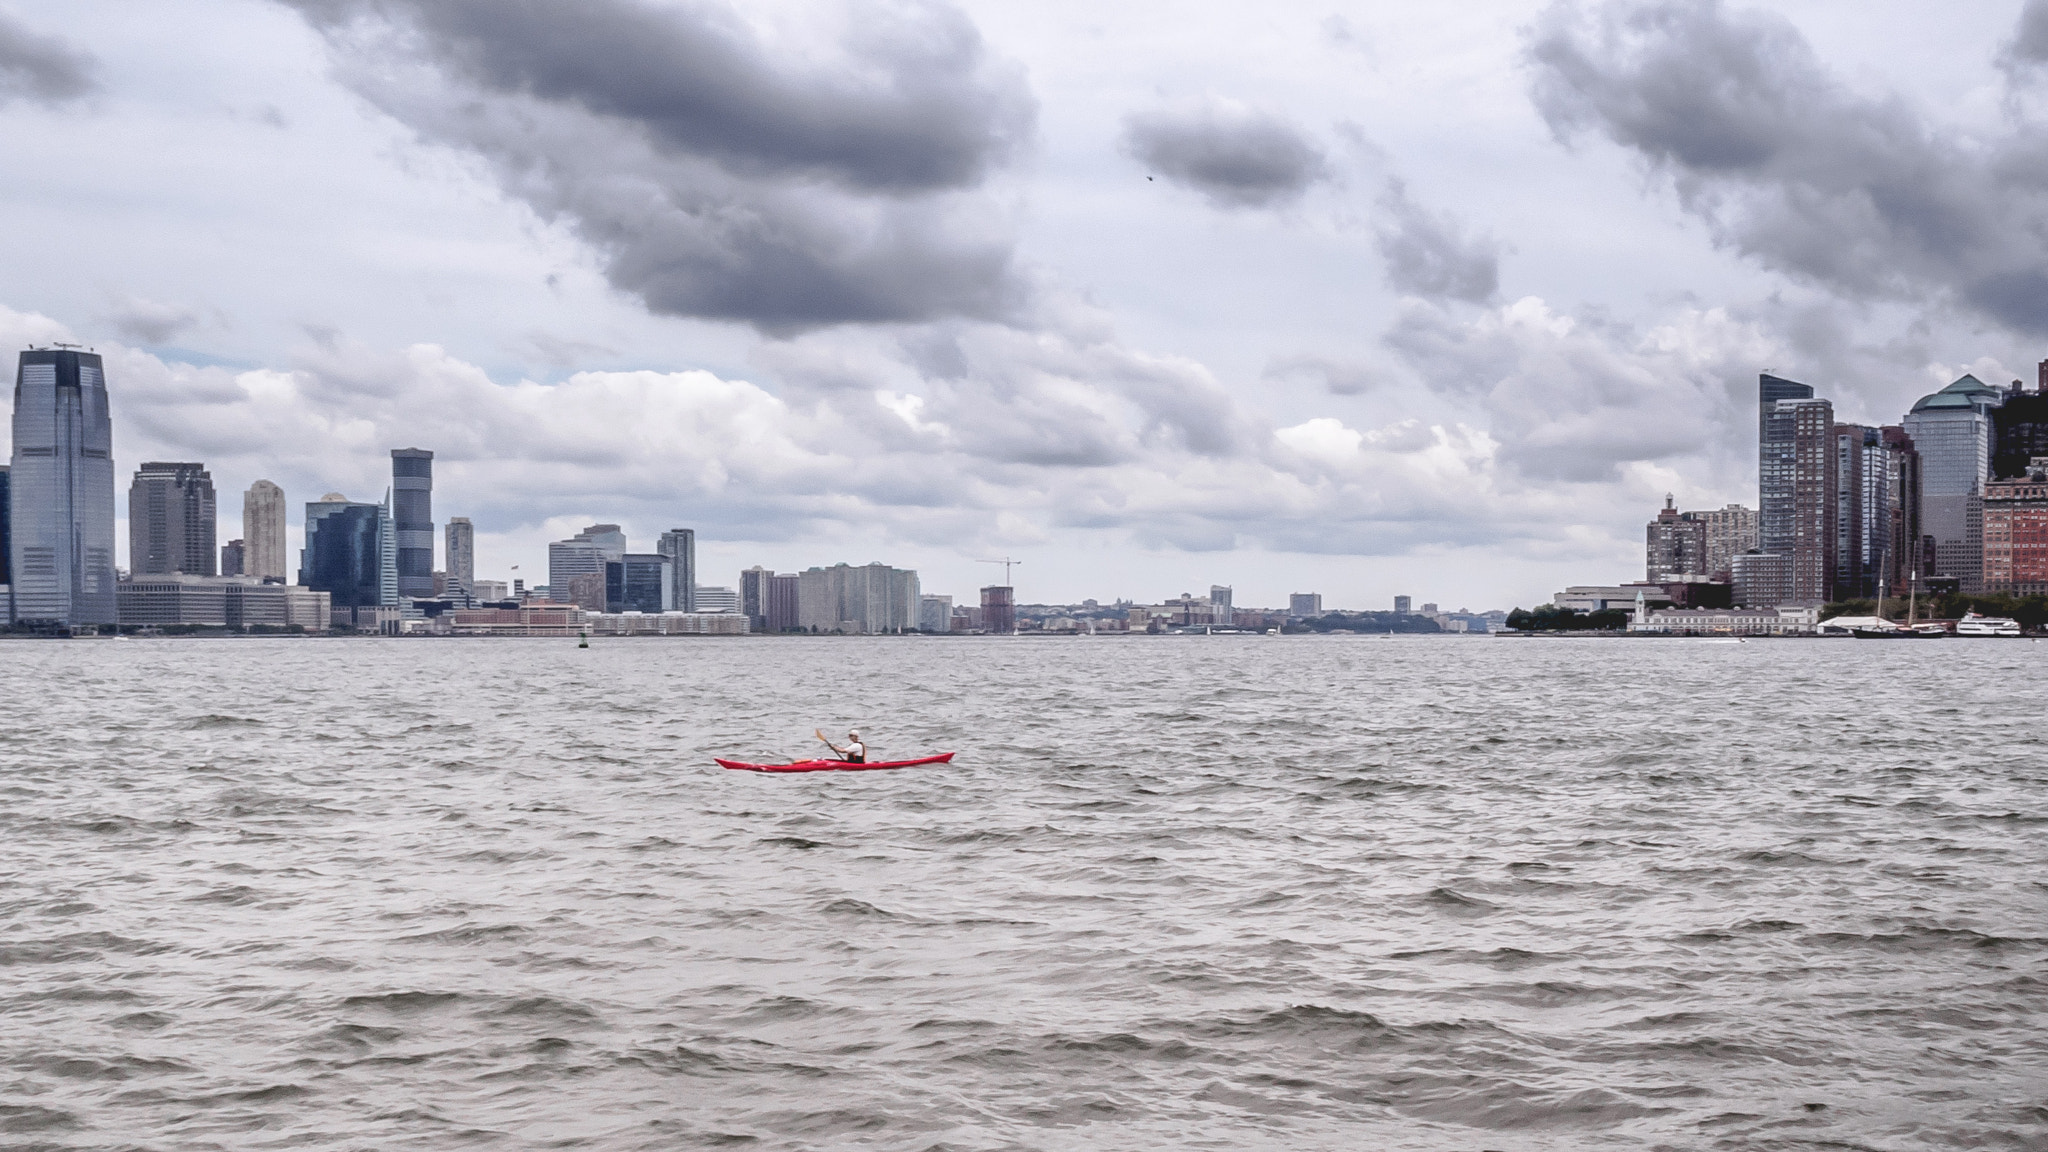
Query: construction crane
1007	564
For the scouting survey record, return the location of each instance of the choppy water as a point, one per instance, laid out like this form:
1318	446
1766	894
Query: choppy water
1175	893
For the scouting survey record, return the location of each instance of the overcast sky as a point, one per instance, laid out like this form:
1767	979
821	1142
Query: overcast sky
1433	299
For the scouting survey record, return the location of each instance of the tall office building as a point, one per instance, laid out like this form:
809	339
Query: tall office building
171	520
1220	611
263	530
351	553
638	582
460	548
2019	429
412	514
234	558
583	554
680	546
1902	476
1775	464
1863	512
6	547
61	527
1305	604
1951	429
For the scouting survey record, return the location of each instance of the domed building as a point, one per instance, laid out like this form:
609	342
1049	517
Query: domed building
1951	429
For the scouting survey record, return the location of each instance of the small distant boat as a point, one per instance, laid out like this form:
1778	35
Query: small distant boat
832	765
1917	632
1973	624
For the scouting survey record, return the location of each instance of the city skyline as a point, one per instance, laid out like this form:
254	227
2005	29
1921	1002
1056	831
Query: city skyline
1316	346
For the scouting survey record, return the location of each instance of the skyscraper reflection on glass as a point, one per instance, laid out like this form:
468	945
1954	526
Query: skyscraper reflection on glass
61	491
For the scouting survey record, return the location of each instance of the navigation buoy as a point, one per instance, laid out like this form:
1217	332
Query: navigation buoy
583	639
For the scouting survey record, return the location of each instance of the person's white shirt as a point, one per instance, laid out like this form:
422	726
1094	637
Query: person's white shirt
855	750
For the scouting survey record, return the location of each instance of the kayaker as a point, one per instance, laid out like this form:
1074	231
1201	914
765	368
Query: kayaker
854	752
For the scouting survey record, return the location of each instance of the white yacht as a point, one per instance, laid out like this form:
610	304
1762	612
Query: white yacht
1973	624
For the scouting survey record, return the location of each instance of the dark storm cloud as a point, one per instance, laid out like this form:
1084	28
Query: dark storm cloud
2029	44
718	179
1787	165
1428	255
1236	157
40	68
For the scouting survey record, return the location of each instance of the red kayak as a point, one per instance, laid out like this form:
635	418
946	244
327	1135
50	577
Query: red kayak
831	765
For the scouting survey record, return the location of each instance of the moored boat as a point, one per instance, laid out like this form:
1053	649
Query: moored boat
1975	624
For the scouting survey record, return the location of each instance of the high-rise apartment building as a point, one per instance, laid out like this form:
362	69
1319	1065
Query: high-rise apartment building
1815	486
1762	579
1305	604
460	552
781	608
1730	531
171	520
412	514
1863	512
754	596
1951	429
1219	604
1674	546
1402	605
934	613
61	494
1775	464
263	531
583	554
234	557
351	553
1902	475
680	546
868	598
2016	532
999	609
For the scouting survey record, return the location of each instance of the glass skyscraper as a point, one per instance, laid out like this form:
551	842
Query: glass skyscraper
412	510
680	546
350	553
61	493
171	520
1776	439
1951	429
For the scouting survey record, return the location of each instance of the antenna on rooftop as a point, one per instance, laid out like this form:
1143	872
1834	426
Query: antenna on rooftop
1007	564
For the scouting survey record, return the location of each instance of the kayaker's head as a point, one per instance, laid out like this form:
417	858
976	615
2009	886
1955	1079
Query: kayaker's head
853	735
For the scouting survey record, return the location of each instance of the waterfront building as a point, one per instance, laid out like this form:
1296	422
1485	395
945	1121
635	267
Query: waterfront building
754	596
998	609
1220	611
1762	579
639	582
1902	496
717	598
781	608
412	514
1951	430
526	620
1675	546
350	553
1611	597
586	590
61	494
160	599
263	532
669	624
1728	621
934	613
1816	484
1402	605
233	558
680	546
1305	604
171	520
2016	532
6	546
585	553
459	554
869	598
